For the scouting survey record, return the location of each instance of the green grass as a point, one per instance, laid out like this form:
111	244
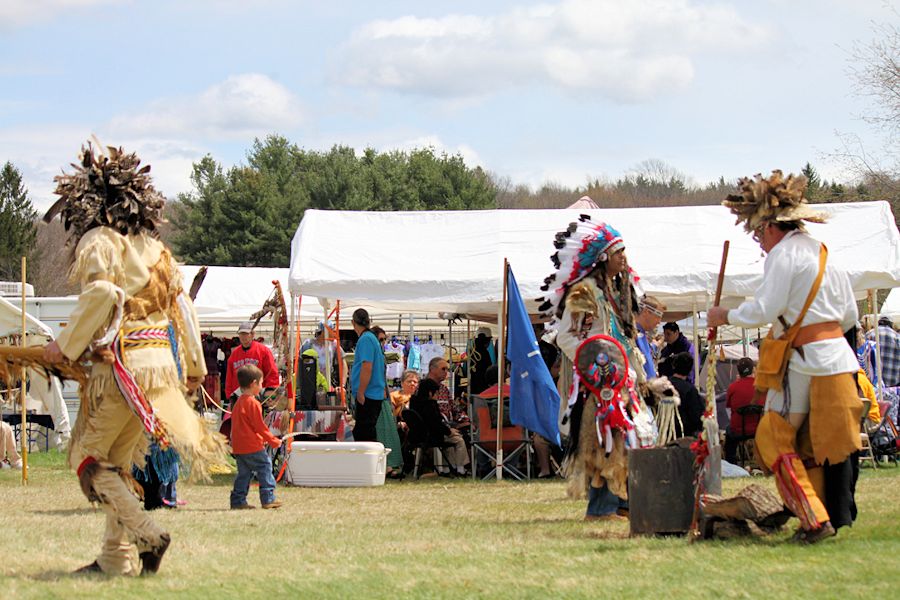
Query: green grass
429	539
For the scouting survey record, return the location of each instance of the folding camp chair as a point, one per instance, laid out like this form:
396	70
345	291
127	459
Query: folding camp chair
516	441
883	437
747	443
865	442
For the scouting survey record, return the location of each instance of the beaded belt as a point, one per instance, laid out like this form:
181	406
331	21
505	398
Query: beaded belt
145	337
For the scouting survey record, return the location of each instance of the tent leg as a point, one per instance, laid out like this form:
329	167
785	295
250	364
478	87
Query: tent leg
696	343
873	306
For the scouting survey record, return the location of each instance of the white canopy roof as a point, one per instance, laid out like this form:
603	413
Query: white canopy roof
230	295
891	306
11	322
452	261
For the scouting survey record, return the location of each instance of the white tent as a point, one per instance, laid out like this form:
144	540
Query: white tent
452	261
891	306
48	393
230	295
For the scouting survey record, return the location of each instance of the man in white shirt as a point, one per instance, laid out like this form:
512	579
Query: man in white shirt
814	417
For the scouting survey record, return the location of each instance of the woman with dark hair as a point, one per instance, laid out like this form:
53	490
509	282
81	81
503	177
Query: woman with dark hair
437	430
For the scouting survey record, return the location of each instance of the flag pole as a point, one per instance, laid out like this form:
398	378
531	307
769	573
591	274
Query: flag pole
23	427
470	399
501	363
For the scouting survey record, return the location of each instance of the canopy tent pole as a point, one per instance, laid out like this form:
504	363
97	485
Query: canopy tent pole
469	400
23	428
340	353
293	362
873	306
744	342
500	374
696	342
450	362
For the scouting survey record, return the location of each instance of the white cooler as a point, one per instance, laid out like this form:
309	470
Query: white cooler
336	464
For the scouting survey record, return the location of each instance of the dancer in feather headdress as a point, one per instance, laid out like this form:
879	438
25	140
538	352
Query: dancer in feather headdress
805	366
138	328
593	292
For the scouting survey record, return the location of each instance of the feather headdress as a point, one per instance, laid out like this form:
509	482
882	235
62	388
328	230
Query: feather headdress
775	198
107	190
579	249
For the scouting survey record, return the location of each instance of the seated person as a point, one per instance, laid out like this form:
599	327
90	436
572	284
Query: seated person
437	431
9	455
740	394
692	406
408	386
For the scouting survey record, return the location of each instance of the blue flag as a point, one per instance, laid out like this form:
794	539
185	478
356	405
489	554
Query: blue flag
533	397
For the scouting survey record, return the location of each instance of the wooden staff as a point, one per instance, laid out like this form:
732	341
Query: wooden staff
500	374
23	427
710	425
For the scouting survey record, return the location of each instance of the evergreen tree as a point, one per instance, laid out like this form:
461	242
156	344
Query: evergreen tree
247	216
17	226
814	184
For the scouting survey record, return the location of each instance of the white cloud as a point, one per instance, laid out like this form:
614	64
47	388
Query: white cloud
470	156
41	153
627	51
242	106
19	13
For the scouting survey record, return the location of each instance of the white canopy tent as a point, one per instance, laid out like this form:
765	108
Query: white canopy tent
891	306
230	295
47	393
452	261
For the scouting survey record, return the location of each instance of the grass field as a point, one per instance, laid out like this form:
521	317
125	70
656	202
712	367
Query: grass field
430	539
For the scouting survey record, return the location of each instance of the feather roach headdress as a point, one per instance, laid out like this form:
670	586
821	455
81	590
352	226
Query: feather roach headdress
775	198
107	190
579	250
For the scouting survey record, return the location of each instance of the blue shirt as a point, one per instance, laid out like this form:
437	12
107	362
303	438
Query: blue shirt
369	350
643	345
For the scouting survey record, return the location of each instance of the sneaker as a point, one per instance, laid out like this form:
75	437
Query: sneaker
272	504
242	507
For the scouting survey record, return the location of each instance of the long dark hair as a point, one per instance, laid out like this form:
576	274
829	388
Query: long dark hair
426	388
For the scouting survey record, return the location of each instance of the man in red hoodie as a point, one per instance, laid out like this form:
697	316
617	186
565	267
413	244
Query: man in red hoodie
250	352
249	435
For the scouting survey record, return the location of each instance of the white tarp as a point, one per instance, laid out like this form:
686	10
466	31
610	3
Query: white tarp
47	393
891	306
452	261
230	295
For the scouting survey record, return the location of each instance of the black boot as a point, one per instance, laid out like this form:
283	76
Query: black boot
94	567
150	560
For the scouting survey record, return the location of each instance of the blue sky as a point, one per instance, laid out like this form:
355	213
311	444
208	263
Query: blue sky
534	91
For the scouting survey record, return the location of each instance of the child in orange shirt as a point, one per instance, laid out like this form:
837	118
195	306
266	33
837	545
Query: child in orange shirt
249	435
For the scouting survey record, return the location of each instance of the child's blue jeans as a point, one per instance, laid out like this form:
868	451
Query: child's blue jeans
247	465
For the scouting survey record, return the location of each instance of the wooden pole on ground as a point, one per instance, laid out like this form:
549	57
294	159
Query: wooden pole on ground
23	427
501	359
